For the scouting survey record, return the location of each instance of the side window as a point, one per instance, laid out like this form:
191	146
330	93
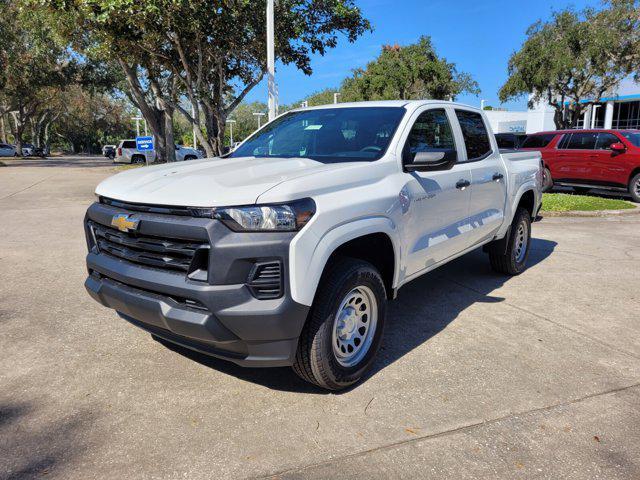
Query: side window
537	141
564	141
582	141
431	133
605	140
129	144
474	132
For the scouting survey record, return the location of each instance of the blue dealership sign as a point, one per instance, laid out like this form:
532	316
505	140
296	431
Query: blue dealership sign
144	144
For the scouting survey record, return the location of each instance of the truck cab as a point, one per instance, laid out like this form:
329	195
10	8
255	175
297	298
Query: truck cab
287	250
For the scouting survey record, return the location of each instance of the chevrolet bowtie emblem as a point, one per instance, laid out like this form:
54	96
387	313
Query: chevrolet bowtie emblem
125	222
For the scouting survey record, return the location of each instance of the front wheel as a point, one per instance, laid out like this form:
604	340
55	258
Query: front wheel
514	260
344	329
634	188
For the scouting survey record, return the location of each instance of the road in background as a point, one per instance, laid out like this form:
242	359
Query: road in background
480	376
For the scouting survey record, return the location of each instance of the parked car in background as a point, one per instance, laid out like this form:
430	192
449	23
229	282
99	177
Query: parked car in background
586	159
41	152
303	233
510	141
7	150
126	152
187	153
28	149
109	151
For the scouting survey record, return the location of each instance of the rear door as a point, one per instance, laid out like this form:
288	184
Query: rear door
438	201
609	166
575	158
488	177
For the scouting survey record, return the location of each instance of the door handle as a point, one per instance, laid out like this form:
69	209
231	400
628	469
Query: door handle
462	184
498	176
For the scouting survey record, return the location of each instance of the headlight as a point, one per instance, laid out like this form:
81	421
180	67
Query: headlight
286	217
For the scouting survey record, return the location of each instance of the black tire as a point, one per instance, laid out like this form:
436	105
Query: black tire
316	361
634	188
547	181
189	157
514	260
138	159
581	190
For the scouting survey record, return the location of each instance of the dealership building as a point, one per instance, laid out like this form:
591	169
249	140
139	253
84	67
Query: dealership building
619	110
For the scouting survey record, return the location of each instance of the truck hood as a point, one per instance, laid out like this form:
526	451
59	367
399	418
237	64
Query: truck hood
211	182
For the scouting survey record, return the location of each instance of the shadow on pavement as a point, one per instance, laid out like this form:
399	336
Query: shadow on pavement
424	308
34	452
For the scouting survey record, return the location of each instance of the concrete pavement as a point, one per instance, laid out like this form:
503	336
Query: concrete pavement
481	376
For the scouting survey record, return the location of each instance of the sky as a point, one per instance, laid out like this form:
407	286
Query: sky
478	36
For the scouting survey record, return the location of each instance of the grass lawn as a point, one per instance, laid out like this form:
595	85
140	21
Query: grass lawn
563	202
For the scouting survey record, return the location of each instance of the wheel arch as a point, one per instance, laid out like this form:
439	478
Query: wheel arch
372	239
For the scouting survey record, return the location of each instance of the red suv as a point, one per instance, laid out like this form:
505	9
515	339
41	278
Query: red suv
585	159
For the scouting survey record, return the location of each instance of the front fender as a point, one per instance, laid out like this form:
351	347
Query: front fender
308	253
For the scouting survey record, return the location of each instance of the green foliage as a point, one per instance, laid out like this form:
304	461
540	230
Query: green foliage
564	202
214	49
575	57
404	73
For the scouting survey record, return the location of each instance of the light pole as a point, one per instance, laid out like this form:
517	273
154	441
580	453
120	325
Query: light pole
335	97
259	114
271	77
231	122
482	104
137	119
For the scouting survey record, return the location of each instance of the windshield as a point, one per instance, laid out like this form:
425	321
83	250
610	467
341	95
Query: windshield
633	137
327	135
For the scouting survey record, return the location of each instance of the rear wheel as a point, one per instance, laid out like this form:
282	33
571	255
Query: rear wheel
547	181
137	159
189	157
514	260
344	329
634	188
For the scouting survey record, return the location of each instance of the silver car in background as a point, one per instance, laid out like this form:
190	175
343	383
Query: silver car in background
7	150
128	153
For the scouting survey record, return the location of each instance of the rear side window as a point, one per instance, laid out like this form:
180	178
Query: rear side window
431	133
581	141
474	132
605	140
537	141
129	144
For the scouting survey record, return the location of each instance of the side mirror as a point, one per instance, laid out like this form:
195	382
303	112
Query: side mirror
617	147
432	161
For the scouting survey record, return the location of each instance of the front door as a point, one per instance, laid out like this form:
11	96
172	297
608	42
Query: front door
438	211
609	166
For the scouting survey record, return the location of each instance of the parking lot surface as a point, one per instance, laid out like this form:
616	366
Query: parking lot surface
480	376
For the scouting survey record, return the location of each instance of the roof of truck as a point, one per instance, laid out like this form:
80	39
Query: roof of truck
384	103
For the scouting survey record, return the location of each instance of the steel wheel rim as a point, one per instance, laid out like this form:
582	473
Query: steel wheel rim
637	187
521	241
354	326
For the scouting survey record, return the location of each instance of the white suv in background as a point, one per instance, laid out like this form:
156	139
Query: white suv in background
128	153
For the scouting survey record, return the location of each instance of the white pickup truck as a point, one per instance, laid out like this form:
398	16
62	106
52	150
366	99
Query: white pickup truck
287	250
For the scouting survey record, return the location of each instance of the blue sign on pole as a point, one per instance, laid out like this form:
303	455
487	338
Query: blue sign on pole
144	144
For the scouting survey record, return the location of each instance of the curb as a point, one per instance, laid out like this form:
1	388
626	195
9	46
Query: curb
592	213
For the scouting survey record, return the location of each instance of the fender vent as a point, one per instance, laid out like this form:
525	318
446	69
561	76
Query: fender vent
265	280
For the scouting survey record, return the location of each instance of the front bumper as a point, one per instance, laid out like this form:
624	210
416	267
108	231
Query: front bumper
217	314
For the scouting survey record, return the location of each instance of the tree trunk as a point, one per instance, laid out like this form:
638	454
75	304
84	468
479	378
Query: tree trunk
170	154
3	131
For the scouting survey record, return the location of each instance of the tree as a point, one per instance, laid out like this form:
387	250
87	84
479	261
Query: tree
212	51
576	58
35	64
410	72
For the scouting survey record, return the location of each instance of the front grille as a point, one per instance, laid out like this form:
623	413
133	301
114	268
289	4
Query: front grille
165	253
265	280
